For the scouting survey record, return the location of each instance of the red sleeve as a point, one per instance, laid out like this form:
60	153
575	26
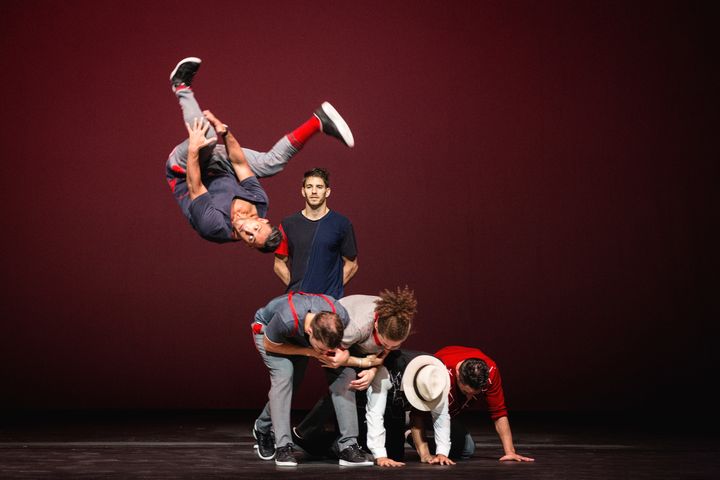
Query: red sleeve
494	396
282	249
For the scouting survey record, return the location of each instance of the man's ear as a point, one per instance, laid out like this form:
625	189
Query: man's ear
302	191
327	192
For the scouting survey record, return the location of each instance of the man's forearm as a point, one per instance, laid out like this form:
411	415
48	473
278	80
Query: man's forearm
282	271
417	433
371	361
288	349
502	427
237	157
350	268
235	152
194	178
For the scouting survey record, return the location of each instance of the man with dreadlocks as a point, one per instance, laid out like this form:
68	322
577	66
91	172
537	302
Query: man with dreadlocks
474	374
378	325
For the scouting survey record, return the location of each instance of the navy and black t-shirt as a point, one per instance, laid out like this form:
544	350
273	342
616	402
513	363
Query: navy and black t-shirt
316	249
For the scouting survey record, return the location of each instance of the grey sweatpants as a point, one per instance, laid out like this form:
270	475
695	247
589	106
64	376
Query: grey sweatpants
214	157
286	373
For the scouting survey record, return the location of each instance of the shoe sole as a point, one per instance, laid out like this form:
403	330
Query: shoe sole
345	463
285	464
188	59
257	450
340	124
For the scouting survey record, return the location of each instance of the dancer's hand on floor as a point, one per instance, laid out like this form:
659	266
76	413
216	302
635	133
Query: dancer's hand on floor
388	462
515	457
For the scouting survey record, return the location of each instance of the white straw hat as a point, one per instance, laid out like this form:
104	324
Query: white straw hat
425	382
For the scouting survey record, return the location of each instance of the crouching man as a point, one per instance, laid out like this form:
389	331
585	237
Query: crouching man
287	331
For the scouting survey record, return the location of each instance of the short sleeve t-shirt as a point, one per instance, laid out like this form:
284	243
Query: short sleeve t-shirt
279	323
316	249
210	212
358	336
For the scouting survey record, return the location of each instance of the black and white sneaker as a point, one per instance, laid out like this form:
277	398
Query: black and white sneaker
184	72
353	456
284	456
265	445
333	124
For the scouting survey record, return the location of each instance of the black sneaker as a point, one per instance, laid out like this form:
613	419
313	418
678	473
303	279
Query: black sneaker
353	456
184	72
266	444
333	124
284	456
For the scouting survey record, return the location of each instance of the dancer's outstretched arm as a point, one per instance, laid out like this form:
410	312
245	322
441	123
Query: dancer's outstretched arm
196	141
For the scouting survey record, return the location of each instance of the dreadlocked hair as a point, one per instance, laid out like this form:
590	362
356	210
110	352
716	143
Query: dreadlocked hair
395	311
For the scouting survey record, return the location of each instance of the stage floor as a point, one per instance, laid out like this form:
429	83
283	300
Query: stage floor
211	445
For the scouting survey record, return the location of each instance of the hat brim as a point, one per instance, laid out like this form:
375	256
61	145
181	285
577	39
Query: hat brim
408	382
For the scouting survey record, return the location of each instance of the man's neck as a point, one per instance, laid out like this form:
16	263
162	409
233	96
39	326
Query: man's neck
243	209
315	213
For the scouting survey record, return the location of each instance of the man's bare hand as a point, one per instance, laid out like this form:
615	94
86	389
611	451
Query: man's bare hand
438	460
196	135
336	361
388	462
364	379
219	127
515	457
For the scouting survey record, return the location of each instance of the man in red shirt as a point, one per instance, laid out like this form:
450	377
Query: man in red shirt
472	373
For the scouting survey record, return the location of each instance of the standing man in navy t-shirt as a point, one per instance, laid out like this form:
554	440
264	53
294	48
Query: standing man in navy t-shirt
318	252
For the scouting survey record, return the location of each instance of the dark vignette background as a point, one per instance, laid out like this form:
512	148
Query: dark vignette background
543	174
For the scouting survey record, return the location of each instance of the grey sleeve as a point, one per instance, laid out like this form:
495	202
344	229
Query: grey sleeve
278	330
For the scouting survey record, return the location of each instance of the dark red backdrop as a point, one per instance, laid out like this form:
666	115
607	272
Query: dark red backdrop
541	173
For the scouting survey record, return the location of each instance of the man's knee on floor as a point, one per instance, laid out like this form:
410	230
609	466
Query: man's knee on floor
468	448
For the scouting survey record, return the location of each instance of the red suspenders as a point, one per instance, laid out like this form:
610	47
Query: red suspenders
294	312
257	328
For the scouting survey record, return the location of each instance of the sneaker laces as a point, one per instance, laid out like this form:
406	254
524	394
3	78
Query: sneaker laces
287	448
355	451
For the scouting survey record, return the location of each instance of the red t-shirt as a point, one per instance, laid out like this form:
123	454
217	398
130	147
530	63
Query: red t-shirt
494	396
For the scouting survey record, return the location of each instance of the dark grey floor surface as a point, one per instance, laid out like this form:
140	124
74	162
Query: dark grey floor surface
212	445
